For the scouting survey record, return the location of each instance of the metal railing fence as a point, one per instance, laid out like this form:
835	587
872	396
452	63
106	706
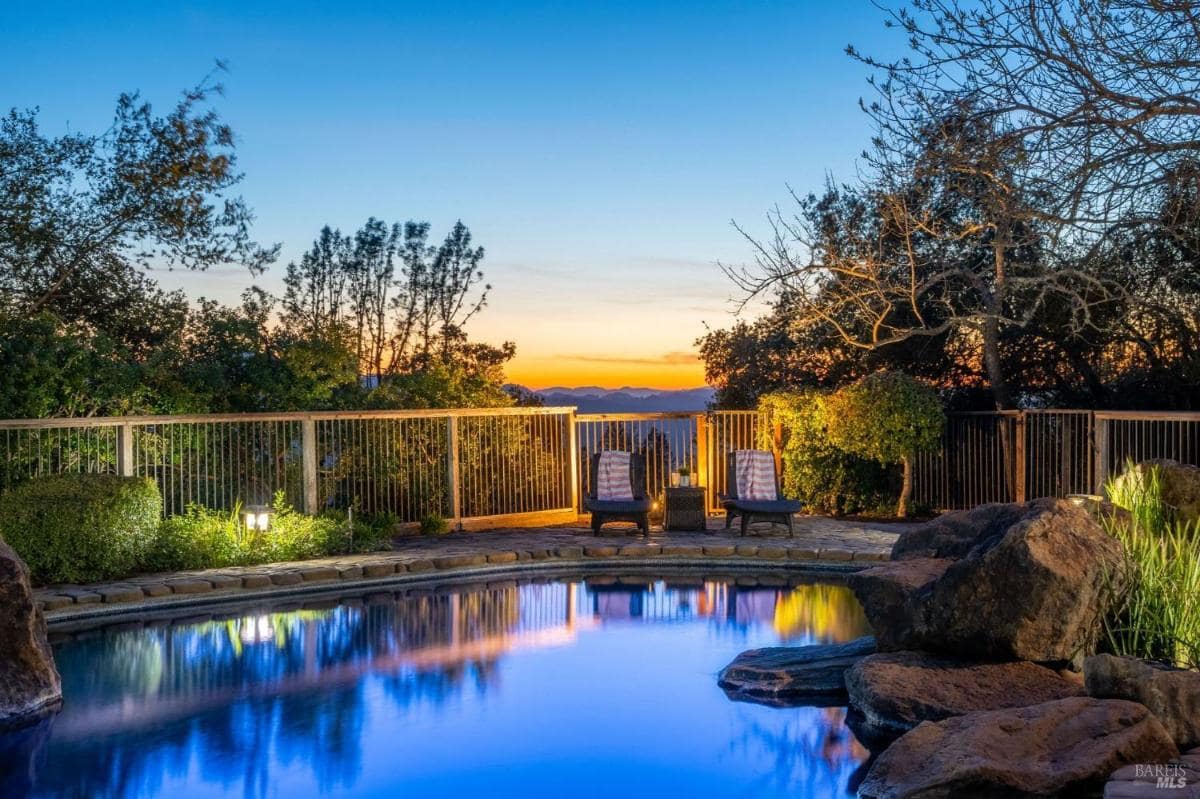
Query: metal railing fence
465	465
489	467
1014	456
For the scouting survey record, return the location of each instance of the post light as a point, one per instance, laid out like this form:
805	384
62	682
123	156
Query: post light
256	518
256	629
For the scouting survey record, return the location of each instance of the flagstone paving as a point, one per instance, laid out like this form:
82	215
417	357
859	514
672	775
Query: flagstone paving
818	540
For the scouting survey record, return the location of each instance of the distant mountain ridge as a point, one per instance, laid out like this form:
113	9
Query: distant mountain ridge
628	399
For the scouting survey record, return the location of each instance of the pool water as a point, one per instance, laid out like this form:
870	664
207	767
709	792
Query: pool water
577	687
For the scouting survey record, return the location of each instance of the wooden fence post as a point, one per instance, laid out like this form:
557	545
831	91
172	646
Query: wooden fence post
308	461
702	465
573	457
452	471
1019	482
125	450
777	446
1100	446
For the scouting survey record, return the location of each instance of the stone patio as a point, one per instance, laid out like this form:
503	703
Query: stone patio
818	541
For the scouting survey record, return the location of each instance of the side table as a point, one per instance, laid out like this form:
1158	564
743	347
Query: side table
685	508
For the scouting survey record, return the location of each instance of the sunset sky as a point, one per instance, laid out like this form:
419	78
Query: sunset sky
597	150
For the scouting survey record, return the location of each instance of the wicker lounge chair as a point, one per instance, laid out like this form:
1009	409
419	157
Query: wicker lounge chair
630	510
773	510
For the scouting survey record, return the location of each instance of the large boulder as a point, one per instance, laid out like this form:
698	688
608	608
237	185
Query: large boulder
29	683
1069	746
1180	483
785	676
893	596
1173	695
1036	589
894	692
954	535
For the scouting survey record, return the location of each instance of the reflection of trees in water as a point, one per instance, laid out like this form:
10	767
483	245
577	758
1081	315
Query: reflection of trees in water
828	613
243	692
144	703
814	753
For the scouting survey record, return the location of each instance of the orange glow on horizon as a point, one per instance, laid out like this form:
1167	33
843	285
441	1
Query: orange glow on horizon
543	372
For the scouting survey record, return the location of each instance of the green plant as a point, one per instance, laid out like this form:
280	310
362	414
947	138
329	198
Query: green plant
74	528
1157	594
1139	491
434	524
354	532
684	471
205	538
823	477
887	417
200	538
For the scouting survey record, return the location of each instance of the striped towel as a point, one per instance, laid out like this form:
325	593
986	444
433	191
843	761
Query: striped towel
755	474
612	477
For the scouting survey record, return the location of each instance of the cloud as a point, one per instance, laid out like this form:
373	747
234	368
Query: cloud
666	359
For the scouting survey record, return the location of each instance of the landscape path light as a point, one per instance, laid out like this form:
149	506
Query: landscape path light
256	518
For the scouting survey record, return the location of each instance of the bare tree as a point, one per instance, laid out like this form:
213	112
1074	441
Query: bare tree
1011	148
1102	96
943	242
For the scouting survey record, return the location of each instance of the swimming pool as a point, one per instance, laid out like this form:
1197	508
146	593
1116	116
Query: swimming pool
581	686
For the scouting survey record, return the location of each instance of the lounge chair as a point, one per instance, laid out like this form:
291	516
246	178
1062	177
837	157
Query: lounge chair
635	509
774	509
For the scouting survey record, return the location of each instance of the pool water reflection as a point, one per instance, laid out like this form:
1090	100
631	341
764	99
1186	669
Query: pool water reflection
580	687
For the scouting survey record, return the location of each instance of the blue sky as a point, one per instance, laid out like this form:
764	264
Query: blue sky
597	150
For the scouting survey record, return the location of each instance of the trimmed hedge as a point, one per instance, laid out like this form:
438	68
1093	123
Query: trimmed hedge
78	528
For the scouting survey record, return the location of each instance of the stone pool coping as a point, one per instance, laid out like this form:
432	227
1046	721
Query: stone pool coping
745	572
833	546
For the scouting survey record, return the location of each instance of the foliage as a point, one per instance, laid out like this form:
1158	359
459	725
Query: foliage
48	369
375	319
823	477
203	538
397	302
434	524
886	417
199	538
1026	221
75	528
1158	610
234	361
1139	491
355	532
150	190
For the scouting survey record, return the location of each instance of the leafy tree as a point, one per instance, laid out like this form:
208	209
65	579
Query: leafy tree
236	361
887	417
48	369
822	476
402	306
149	191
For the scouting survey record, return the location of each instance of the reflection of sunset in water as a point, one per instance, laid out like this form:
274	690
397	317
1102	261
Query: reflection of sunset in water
365	696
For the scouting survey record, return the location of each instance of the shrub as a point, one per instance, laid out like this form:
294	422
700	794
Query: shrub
887	417
75	528
203	538
199	539
357	533
434	524
1158	610
823	477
